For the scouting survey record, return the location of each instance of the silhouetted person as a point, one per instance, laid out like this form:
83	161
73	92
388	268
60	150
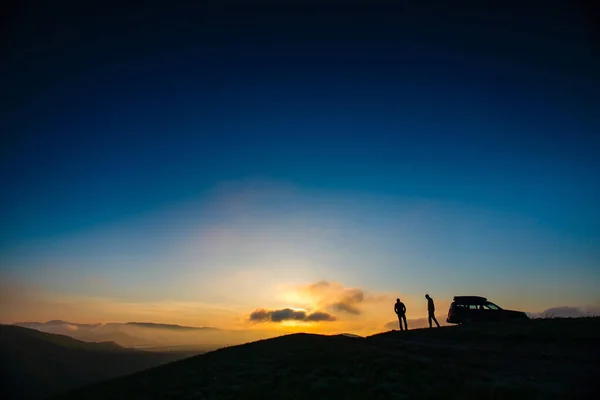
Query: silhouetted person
431	310
400	310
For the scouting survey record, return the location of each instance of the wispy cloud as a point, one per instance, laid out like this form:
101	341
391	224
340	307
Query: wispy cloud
345	307
336	297
325	301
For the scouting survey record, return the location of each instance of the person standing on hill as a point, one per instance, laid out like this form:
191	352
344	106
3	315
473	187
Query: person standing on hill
400	310
431	310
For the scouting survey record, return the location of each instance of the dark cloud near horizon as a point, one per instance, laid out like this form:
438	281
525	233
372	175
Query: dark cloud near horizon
287	314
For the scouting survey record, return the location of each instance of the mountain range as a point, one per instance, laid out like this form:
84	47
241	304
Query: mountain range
36	364
150	334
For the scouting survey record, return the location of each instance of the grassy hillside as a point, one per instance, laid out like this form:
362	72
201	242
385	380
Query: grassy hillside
521	359
35	364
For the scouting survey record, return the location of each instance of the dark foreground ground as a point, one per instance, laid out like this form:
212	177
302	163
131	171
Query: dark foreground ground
535	359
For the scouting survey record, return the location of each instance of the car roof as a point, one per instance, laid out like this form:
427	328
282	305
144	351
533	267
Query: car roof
469	299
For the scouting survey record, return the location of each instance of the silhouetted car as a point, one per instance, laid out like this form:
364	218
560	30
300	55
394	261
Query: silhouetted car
466	309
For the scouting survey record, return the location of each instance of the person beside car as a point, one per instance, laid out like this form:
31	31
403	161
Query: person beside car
431	311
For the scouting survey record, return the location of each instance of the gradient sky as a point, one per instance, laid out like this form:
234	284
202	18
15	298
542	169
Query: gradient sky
193	165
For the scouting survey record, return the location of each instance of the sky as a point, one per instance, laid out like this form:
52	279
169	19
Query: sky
297	167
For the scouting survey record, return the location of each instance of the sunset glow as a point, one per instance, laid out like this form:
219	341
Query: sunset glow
298	182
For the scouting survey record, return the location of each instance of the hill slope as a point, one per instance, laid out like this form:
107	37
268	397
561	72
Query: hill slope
35	364
529	359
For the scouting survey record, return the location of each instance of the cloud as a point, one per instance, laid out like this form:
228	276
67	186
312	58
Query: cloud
70	327
335	297
287	314
392	325
320	316
349	301
327	297
345	307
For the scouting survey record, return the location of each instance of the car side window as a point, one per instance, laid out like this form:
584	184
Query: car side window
472	307
492	306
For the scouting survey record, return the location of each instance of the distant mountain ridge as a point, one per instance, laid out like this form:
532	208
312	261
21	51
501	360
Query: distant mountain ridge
128	334
36	325
170	326
56	339
145	334
35	364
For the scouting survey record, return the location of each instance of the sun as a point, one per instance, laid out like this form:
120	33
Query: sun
295	300
292	323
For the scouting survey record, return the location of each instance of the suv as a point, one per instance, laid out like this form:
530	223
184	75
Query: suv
466	309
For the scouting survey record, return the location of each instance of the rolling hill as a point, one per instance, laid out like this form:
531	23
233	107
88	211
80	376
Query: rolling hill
152	335
87	332
36	364
521	359
129	334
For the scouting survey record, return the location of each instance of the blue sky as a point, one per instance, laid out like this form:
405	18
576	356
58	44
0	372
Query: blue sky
444	151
